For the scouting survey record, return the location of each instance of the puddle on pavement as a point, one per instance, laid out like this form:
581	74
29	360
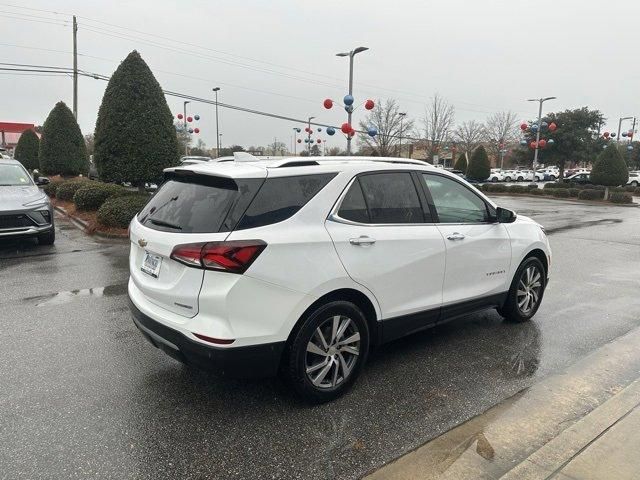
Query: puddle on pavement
68	296
576	225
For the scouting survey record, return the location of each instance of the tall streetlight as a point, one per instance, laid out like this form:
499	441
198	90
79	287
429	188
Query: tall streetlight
309	134
350	54
216	90
186	130
541	101
620	125
402	115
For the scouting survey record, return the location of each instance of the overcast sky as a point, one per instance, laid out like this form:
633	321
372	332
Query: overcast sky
279	56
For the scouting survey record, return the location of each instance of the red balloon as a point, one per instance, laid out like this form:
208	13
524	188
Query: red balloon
369	104
196	130
552	127
605	134
189	119
328	103
299	140
180	116
533	145
352	132
523	126
542	143
319	141
346	128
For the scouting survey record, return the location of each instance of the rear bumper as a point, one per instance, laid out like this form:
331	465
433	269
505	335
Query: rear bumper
241	362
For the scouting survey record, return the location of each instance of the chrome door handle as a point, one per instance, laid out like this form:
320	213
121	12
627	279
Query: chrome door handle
456	236
362	240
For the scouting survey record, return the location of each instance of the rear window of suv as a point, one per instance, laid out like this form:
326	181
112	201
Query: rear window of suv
208	204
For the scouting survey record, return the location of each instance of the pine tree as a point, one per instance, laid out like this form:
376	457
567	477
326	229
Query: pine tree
479	167
27	150
62	149
135	138
610	169
461	163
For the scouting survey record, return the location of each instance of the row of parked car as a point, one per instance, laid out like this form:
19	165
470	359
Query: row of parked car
584	178
524	175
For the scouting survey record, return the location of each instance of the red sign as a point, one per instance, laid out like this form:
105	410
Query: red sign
12	127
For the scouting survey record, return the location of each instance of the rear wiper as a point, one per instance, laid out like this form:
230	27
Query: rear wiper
162	223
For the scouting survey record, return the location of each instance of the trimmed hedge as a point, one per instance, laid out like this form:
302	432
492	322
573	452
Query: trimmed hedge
518	189
637	191
557	185
574	192
537	191
591	194
94	194
51	188
620	197
117	212
533	185
67	189
561	192
497	187
630	188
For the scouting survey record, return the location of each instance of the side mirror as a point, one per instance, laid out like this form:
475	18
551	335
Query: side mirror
504	215
42	181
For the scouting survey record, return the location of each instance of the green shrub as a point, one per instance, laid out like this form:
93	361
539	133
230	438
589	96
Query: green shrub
461	163
62	148
67	189
573	192
92	195
617	189
588	186
630	188
117	212
591	194
620	197
610	169
479	167
599	187
637	191
27	150
518	189
532	186
557	185
496	187
51	188
561	192
537	191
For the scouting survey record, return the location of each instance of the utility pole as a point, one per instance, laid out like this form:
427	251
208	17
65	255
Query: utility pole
541	101
186	129
75	68
402	115
309	135
620	126
217	89
633	130
350	54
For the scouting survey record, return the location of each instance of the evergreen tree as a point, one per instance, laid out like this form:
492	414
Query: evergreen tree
461	163
27	150
479	167
135	138
610	169
62	149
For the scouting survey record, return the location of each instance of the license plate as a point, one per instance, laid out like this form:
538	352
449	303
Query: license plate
151	264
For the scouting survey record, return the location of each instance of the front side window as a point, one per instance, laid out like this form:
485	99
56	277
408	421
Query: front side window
391	198
454	202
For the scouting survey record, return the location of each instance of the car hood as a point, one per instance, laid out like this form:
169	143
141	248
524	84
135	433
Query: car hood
15	197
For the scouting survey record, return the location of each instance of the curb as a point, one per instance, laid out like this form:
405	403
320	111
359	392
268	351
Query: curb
84	226
572	200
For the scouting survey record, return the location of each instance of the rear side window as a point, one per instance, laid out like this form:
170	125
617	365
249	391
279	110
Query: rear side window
391	198
282	197
198	204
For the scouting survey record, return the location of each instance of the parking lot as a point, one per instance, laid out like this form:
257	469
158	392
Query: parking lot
84	395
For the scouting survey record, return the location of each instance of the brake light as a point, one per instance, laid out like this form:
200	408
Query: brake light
234	256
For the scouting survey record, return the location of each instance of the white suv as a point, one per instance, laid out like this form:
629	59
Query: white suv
300	266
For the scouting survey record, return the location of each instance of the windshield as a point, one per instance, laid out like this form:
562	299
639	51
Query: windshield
11	175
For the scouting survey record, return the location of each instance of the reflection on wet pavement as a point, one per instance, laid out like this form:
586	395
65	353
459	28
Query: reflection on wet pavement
64	297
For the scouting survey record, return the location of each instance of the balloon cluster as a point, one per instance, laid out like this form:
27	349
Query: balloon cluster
190	119
309	131
534	128
346	127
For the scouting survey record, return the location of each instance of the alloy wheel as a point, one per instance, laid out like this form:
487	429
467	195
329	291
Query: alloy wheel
332	352
529	290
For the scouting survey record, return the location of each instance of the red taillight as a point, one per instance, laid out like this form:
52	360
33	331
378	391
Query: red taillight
234	256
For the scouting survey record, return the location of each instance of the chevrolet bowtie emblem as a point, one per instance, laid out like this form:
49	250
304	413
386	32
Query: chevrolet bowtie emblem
142	242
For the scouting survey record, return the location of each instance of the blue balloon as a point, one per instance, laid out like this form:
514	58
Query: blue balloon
629	147
624	134
551	141
348	108
306	140
348	100
298	130
319	129
523	142
191	130
534	127
613	134
544	124
372	131
197	117
331	131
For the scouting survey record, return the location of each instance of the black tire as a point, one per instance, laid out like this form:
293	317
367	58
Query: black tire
47	238
511	311
494	179
552	178
634	184
296	357
507	179
520	179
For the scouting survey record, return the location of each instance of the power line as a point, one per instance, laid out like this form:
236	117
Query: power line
60	24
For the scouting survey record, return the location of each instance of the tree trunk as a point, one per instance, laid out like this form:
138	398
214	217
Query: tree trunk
141	186
606	193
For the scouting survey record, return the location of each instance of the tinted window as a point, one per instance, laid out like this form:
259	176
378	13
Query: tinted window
454	202
281	197
391	198
198	204
353	206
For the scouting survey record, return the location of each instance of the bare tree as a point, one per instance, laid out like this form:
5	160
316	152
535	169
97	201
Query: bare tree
386	119
469	135
501	127
438	120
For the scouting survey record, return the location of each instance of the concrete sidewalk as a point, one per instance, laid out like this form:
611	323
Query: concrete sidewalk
581	424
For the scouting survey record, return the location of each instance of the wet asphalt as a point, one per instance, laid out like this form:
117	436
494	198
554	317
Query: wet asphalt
82	394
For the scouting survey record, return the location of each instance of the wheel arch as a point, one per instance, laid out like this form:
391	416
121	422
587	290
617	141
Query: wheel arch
540	255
